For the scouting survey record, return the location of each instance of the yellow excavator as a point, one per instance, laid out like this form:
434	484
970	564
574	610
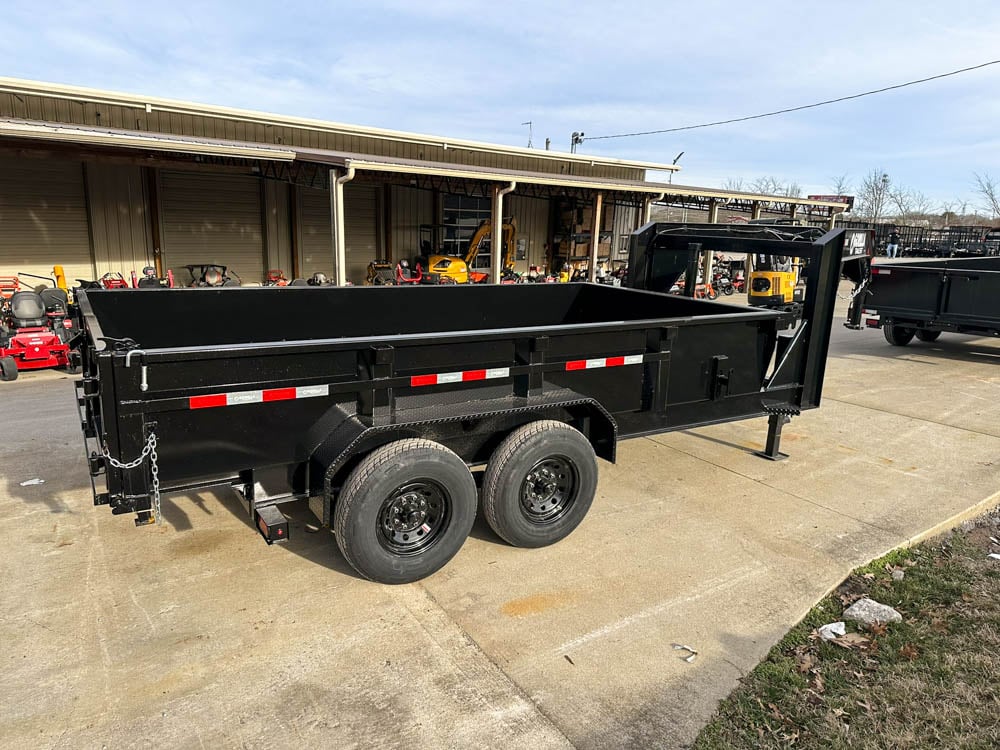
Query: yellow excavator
452	269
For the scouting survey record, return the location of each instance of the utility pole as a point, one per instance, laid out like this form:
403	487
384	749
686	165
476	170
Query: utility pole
575	140
528	123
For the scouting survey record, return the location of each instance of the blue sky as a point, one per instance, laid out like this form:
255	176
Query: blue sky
478	70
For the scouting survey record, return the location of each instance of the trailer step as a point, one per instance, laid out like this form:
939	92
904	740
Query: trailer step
272	524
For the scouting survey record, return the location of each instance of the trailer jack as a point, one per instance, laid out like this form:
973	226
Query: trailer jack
780	415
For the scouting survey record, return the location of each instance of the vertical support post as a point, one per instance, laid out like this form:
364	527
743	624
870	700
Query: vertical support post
793	211
338	235
496	236
647	208
755	210
706	259
691	274
713	211
832	221
595	236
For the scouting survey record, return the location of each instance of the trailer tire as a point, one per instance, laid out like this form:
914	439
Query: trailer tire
405	511
898	335
539	484
8	369
928	336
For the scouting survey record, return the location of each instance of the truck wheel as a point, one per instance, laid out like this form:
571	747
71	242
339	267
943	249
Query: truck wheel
539	484
8	369
898	335
405	511
928	336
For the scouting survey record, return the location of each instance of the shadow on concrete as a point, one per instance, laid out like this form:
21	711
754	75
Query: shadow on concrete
319	546
720	441
947	348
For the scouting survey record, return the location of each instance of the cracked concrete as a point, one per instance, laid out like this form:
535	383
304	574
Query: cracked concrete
197	634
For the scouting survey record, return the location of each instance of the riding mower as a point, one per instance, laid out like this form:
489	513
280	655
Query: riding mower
36	330
276	277
149	279
212	275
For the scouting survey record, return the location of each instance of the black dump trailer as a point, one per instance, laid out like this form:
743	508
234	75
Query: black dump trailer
378	403
926	298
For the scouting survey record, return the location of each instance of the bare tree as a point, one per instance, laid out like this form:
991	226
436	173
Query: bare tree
874	195
989	191
841	185
734	185
775	186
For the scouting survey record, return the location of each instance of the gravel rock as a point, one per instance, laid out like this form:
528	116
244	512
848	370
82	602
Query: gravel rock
967	526
898	575
868	612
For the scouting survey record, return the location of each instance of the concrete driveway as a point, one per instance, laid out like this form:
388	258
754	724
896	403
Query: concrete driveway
197	634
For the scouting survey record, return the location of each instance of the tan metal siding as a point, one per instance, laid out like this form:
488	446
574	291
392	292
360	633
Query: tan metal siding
43	218
52	109
208	218
119	218
360	230
532	216
409	208
626	221
277	225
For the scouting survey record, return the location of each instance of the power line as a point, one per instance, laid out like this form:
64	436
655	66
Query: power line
795	109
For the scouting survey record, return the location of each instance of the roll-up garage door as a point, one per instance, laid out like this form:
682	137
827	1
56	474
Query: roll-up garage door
210	218
43	218
360	230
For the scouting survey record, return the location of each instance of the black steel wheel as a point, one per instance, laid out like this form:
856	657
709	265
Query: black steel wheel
539	484
405	511
8	369
928	336
898	335
728	290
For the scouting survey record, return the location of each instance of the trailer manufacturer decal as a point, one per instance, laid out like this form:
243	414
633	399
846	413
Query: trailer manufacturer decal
463	376
257	397
591	364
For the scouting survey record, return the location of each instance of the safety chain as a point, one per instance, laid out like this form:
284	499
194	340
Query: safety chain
148	450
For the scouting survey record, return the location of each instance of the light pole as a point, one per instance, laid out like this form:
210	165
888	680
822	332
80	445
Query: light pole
574	140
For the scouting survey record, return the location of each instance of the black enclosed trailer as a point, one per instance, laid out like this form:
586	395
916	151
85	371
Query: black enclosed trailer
376	403
929	297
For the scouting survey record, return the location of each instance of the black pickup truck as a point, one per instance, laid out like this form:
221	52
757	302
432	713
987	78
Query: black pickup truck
378	403
925	298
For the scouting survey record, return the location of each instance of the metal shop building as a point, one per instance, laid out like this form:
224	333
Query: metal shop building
99	182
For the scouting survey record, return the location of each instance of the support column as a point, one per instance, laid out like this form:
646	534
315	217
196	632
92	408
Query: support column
832	221
337	233
755	210
706	258
595	236
713	211
793	211
496	236
647	208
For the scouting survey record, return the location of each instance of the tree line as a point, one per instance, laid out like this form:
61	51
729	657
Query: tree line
879	198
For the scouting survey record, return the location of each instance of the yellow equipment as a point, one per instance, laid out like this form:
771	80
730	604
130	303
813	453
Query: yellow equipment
60	275
774	282
452	269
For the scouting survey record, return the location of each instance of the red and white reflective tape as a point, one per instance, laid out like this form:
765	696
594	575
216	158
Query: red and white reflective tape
593	364
881	271
464	376
236	398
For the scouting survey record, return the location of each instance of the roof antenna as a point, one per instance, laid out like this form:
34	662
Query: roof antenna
528	123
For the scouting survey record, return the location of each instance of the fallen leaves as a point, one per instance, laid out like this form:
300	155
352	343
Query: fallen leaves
909	651
853	640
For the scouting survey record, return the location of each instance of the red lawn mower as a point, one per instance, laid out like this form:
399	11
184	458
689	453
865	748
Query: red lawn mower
36	330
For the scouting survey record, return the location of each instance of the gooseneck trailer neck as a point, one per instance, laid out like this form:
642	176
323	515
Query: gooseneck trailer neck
376	403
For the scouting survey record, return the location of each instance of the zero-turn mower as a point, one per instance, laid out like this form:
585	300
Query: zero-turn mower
36	330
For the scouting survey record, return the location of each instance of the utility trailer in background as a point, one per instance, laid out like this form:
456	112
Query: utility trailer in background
376	403
929	297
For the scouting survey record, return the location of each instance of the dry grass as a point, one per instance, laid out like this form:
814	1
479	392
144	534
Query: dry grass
931	681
